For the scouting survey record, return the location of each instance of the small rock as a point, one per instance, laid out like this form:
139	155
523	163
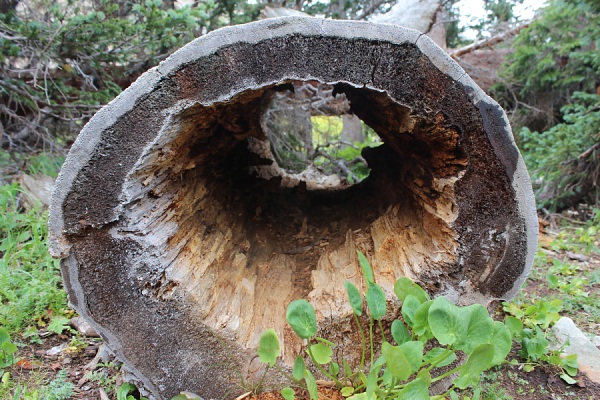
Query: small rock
588	355
83	327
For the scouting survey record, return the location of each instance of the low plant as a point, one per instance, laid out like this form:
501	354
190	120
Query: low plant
30	283
128	391
404	370
7	351
529	326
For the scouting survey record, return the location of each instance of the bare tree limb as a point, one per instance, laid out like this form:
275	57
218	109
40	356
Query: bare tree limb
370	10
492	41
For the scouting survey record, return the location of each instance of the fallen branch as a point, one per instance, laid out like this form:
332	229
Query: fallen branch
489	42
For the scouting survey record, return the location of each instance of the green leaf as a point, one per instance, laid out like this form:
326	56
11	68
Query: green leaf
354	297
376	301
437	352
409	308
8	348
479	327
414	354
514	325
124	390
58	324
4	336
334	369
425	375
268	347
396	361
405	286
311	385
502	341
301	317
479	360
399	332
321	353
448	322
421	320
415	390
373	377
288	393
366	267
299	367
568	379
570	364
347	391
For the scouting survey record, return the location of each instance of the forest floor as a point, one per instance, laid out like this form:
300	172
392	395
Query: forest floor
64	362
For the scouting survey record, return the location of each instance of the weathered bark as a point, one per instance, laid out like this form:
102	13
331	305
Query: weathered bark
182	241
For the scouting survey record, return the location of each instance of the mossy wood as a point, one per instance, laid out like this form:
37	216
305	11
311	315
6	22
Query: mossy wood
182	241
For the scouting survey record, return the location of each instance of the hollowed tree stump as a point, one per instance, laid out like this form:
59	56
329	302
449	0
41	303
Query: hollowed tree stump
182	241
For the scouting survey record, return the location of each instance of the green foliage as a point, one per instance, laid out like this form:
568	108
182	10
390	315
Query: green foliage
59	388
128	391
530	326
268	347
7	350
60	64
404	370
558	160
550	84
557	54
30	284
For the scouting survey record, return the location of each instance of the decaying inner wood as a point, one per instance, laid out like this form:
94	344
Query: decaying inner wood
238	238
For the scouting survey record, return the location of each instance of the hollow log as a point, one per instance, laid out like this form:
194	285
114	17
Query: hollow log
182	241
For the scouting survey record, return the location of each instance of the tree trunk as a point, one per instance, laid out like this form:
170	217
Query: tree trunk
182	241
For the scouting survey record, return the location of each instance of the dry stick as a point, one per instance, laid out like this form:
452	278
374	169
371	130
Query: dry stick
488	42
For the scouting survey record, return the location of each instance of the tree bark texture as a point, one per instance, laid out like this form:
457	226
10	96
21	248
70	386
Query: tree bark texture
182	241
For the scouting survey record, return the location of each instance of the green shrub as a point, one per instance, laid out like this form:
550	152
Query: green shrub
30	283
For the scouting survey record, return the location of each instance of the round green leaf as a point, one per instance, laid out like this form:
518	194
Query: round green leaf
302	319
479	360
479	328
347	391
399	332
405	286
268	347
417	389
448	322
288	393
321	353
8	348
514	325
396	361
376	301
356	301
413	351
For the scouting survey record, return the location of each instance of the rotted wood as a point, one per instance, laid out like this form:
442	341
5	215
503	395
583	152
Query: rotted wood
182	240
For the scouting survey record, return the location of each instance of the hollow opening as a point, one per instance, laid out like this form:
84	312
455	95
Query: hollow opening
313	135
243	237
